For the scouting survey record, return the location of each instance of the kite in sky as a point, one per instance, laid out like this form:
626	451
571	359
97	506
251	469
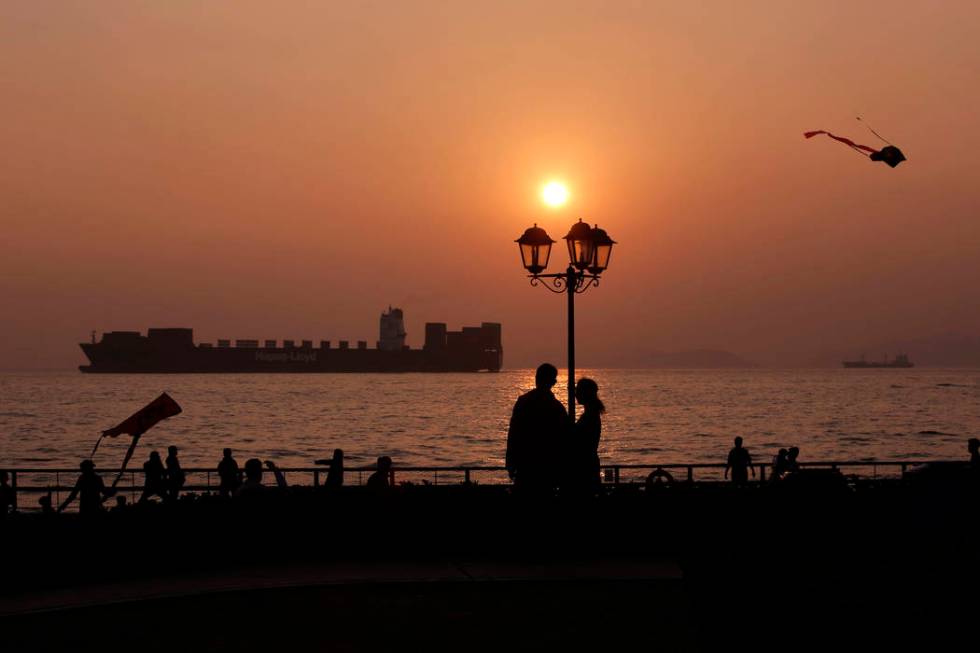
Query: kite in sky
888	154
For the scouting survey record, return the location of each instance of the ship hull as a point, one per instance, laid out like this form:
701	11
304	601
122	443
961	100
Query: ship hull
863	365
172	351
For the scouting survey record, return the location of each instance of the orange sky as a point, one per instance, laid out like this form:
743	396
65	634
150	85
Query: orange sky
288	169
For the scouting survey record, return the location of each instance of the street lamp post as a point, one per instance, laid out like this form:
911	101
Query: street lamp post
589	250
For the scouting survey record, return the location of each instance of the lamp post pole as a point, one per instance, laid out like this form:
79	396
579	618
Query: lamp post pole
571	279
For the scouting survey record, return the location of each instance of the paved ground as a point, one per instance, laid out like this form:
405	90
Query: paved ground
500	606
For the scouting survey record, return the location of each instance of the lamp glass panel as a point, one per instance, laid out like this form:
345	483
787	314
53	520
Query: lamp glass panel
580	252
527	255
602	254
543	254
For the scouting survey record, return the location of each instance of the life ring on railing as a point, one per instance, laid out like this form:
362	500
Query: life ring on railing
658	477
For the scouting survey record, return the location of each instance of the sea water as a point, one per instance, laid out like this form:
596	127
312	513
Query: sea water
52	419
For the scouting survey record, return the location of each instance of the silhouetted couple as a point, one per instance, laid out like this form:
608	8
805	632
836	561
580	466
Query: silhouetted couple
164	482
544	448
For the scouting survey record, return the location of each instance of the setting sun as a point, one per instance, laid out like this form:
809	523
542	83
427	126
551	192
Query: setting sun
554	193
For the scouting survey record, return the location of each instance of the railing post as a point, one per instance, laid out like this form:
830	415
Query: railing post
13	489
466	475
436	478
57	490
762	473
208	480
903	467
316	478
616	475
391	477
690	474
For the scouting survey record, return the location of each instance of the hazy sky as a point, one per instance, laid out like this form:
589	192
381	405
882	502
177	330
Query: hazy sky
288	169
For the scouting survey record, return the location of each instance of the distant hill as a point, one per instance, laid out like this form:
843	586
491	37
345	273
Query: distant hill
696	359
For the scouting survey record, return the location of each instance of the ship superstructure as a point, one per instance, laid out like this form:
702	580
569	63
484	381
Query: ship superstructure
173	350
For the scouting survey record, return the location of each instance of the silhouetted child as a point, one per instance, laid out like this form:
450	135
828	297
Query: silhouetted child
90	490
175	475
381	479
154	478
120	504
230	475
45	502
739	463
779	465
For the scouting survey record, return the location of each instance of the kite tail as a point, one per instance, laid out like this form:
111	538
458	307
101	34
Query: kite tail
863	149
129	454
96	447
880	137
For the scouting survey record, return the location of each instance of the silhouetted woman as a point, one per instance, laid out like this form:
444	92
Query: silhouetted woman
584	459
154	478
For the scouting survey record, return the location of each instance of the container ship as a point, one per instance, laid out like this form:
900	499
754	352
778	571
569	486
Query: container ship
173	350
901	360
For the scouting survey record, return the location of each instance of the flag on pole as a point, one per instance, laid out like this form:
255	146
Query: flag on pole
139	423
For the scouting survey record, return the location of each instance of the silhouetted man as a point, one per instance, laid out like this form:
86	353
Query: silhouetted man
537	426
90	489
229	474
175	475
739	462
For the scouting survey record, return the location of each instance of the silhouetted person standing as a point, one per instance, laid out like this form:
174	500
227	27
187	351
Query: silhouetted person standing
381	479
537	426
229	474
583	445
792	464
154	478
89	489
6	494
739	463
175	475
335	477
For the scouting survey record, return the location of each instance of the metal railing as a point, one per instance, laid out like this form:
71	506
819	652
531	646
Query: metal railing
49	480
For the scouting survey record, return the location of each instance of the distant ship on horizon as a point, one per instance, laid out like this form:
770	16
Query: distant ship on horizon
471	349
901	360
